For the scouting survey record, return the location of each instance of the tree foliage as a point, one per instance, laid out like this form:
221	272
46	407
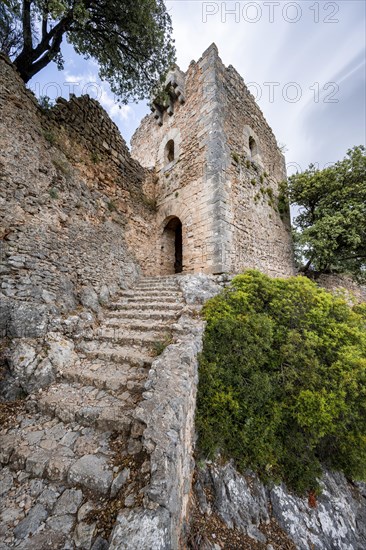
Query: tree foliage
330	229
10	30
282	386
131	41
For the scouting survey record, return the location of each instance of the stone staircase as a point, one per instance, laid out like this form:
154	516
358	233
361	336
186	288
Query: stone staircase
73	458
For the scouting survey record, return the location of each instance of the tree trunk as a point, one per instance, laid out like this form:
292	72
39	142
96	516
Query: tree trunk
24	67
32	60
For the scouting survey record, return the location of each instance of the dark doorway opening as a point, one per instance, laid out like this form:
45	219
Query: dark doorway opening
172	247
178	264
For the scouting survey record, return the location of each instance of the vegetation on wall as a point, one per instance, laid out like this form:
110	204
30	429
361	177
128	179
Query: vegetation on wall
131	41
330	228
282	386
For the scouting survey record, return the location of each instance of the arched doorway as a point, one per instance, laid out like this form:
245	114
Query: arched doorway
172	247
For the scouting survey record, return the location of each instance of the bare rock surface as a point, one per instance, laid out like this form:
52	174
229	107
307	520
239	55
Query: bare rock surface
140	529
92	472
197	289
337	523
245	505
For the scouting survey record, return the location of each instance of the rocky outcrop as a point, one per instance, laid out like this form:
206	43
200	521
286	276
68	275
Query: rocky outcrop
273	517
197	289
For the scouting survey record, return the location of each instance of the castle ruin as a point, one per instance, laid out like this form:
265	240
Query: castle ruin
218	168
100	341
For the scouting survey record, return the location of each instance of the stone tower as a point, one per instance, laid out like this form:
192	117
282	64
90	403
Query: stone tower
218	169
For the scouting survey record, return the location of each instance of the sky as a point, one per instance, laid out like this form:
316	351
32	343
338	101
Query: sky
304	62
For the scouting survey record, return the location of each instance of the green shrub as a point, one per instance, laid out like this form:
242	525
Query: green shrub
95	158
53	193
50	137
283	380
45	102
283	202
160	345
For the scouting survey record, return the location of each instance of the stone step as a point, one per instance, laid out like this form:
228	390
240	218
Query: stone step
122	355
149	292
156	291
141	305
47	448
87	405
167	287
137	316
109	376
125	337
172	283
158	278
153	298
142	325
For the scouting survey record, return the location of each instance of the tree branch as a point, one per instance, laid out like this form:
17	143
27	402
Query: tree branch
27	26
48	56
54	34
44	25
29	62
305	268
354	257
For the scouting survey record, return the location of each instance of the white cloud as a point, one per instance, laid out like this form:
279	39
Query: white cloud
305	52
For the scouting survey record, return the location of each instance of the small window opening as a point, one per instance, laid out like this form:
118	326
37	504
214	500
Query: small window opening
253	147
170	151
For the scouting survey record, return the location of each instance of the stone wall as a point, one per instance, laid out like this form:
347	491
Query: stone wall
75	220
167	411
261	237
343	284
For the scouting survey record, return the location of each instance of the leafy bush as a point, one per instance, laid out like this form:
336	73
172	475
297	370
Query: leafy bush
330	226
50	137
53	193
283	380
45	102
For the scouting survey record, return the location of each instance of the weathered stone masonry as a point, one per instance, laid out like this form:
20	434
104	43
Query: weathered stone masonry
222	182
83	216
75	221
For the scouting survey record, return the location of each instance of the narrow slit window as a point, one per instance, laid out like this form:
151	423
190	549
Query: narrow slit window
170	151
253	147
